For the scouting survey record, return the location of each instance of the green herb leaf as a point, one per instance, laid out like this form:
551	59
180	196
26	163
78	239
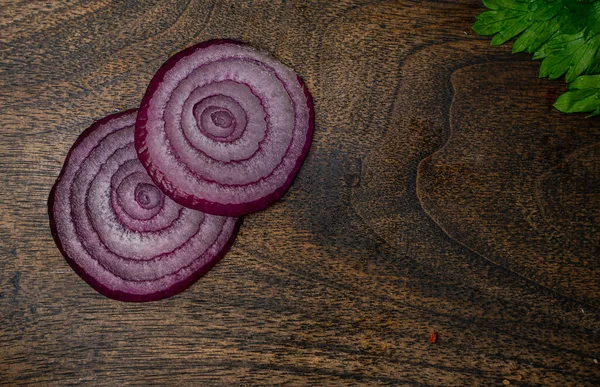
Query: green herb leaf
583	96
564	34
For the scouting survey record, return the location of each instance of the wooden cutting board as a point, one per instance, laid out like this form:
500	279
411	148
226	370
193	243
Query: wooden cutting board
442	193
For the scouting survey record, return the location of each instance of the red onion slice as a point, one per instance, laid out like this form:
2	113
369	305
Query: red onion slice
117	229
224	128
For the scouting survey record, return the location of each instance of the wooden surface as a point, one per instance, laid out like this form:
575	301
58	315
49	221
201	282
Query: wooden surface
442	192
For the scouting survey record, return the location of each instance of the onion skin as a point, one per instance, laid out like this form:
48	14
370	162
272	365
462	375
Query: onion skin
81	265
163	175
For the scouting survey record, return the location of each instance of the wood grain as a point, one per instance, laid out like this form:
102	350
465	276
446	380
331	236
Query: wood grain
502	185
343	280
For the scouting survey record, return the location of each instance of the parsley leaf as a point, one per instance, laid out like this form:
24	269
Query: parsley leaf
583	96
564	34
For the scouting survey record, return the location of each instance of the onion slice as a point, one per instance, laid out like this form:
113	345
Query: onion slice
118	230
223	128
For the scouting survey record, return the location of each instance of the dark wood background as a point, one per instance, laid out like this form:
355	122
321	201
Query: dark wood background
442	192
